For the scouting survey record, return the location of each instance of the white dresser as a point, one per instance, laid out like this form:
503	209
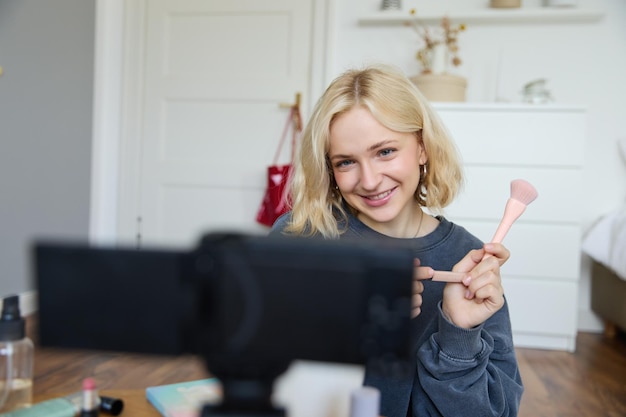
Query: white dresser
543	144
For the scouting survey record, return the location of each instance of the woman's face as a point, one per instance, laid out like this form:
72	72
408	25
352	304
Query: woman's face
376	169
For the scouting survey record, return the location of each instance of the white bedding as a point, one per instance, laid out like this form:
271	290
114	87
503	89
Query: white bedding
606	241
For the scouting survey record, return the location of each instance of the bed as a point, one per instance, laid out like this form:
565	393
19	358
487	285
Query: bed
605	243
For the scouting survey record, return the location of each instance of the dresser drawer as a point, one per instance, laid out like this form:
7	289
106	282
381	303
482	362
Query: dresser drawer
488	188
515	135
543	251
540	307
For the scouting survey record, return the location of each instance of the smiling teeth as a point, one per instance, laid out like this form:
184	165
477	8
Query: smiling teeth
379	196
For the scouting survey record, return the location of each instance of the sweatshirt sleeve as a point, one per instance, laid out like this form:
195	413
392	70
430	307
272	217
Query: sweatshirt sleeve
469	372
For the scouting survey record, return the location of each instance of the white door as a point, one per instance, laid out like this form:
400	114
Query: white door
212	81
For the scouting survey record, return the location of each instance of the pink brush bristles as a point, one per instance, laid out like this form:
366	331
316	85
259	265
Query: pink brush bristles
522	194
523	191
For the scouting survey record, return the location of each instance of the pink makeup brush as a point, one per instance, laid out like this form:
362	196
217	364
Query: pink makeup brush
522	194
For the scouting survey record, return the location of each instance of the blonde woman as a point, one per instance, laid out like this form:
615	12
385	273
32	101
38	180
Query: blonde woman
372	158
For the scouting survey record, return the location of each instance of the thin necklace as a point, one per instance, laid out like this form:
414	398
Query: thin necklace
419	225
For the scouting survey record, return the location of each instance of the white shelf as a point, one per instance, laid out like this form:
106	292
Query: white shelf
490	16
509	107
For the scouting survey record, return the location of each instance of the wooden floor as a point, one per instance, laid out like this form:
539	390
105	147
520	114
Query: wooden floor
590	382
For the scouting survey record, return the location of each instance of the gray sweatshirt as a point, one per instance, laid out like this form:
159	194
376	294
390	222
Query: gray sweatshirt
456	372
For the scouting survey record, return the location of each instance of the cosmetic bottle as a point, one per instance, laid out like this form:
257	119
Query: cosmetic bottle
16	358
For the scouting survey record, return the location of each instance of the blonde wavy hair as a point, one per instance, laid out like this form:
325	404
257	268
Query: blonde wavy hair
395	102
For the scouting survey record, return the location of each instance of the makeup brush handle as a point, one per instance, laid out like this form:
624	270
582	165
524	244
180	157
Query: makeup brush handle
448	276
512	211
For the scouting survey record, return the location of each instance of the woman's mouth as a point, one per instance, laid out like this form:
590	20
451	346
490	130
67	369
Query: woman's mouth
376	200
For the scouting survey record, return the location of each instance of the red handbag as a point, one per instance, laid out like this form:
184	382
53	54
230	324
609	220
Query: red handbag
276	200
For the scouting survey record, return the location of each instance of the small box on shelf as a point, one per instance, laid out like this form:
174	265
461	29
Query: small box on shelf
505	4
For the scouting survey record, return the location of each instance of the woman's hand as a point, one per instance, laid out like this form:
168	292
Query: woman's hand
419	273
481	294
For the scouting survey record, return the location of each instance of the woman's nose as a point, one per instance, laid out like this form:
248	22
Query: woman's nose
370	177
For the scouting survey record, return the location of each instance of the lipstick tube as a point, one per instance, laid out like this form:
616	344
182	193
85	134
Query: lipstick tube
90	400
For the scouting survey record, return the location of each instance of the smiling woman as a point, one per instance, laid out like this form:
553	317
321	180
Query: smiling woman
373	157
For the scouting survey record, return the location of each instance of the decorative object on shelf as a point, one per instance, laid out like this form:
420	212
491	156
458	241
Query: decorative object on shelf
391	5
439	50
441	87
505	4
560	3
535	92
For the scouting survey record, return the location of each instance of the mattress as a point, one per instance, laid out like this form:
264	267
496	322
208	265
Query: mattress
605	241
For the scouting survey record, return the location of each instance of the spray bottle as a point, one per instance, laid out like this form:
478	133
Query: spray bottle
16	358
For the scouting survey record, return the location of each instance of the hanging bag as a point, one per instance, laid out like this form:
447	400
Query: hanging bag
276	200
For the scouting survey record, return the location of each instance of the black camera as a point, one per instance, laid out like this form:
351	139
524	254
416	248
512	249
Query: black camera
249	305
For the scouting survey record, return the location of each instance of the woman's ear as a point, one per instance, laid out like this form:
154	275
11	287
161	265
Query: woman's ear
423	156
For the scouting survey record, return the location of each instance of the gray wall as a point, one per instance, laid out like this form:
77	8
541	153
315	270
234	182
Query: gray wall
46	50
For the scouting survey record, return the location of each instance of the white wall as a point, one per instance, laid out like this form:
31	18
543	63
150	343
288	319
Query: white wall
584	63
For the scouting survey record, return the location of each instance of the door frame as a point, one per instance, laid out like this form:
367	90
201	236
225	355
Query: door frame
117	110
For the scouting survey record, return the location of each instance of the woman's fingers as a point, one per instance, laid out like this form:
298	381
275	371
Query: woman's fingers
419	273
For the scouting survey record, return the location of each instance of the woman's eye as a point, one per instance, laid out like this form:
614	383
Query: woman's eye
386	152
343	164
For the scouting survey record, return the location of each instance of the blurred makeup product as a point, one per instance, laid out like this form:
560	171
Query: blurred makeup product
67	406
58	407
90	401
16	358
365	402
112	406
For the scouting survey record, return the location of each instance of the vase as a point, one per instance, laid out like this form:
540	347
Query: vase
441	87
439	58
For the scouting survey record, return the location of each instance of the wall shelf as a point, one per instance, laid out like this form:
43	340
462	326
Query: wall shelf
489	16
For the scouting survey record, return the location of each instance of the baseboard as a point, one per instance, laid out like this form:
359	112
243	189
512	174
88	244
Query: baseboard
28	302
544	341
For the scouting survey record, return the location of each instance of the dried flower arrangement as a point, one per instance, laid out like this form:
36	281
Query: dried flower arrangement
447	40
